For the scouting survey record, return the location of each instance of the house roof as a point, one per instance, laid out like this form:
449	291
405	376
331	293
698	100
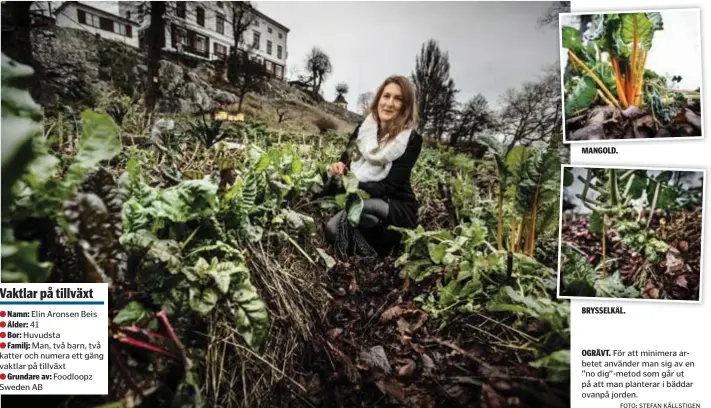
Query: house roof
340	99
105	13
269	19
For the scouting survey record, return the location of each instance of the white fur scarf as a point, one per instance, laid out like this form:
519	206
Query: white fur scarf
376	159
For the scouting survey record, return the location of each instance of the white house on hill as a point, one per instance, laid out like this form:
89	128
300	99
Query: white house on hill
84	16
204	30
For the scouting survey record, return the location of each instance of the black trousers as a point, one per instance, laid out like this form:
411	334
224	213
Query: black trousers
375	212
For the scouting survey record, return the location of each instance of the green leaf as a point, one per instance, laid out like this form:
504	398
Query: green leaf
263	163
354	209
581	95
570	38
328	259
166	253
130	314
595	223
613	287
99	142
296	165
568	177
191	199
557	364
203	301
20	263
21	125
639	23
437	252
251	317
341	200
350	183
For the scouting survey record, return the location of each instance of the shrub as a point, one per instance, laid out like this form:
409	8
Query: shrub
325	124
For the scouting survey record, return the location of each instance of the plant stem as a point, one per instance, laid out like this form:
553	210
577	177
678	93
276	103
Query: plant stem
595	78
500	221
631	82
532	228
654	203
619	80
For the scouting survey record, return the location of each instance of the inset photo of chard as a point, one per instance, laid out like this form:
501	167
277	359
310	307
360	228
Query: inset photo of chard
631	233
631	76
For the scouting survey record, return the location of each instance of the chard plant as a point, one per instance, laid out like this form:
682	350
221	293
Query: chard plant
626	39
528	177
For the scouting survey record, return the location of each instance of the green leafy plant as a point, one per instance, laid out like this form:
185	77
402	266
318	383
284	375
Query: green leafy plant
626	38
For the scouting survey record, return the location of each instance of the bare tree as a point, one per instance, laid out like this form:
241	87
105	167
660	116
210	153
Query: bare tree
550	18
474	117
243	71
532	113
283	113
363	103
341	88
319	67
242	19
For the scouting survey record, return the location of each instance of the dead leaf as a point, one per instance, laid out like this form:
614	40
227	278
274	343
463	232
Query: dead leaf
393	388
353	286
334	333
490	398
376	358
392	313
407	369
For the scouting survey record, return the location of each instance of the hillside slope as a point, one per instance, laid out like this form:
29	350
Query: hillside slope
79	67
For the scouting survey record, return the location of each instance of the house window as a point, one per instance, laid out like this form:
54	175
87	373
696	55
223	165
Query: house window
182	37
220	50
279	71
256	22
269	47
94	21
269	66
201	44
281	36
180	9
220	24
279	51
123	29
128	14
255	41
269	30
200	16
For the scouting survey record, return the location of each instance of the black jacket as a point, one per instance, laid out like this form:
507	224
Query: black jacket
395	188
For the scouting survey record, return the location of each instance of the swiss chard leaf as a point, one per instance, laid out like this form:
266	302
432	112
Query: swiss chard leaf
250	312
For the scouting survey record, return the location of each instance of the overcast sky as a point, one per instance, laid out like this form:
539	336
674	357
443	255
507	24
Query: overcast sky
492	46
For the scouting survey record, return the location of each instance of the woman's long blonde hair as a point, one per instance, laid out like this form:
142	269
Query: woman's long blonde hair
407	118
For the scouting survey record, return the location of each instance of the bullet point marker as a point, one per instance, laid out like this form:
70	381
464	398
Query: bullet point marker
3	314
2	345
2	335
3	324
2	376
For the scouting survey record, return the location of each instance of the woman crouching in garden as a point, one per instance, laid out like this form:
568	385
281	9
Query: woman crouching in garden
388	147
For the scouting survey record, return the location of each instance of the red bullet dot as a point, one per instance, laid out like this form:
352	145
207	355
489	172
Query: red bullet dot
2	314
3	324
2	335
2	345
2	376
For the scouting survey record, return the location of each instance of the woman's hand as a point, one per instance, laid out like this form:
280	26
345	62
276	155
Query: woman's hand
337	169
